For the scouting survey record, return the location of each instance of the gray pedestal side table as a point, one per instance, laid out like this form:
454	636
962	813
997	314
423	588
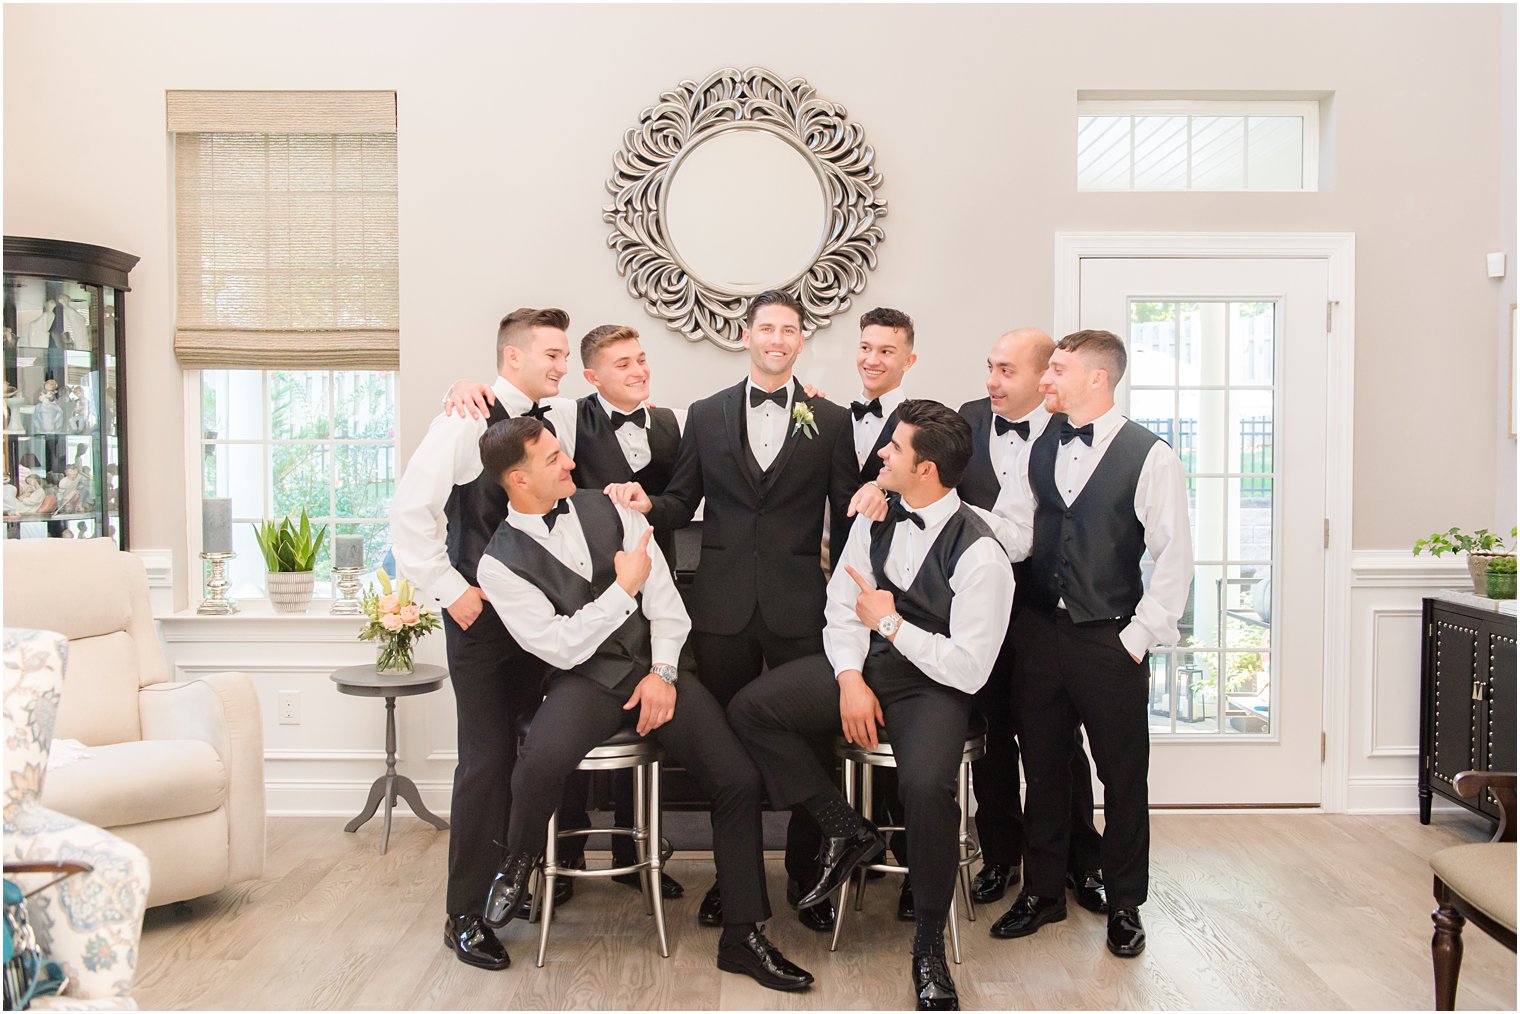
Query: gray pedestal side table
363	681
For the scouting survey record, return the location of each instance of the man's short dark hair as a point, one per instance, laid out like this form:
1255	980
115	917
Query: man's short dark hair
941	435
600	337
1105	346
504	445
516	328
774	297
885	316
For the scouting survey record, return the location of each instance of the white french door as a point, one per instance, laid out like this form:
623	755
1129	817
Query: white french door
1228	363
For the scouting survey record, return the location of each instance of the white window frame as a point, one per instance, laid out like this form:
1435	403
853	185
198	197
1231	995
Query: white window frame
1307	108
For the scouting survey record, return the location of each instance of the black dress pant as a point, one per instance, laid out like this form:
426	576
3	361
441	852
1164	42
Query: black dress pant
1083	674
578	714
780	717
995	778
726	664
494	682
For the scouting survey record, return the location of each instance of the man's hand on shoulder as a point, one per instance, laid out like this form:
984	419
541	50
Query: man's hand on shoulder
467	398
630	495
870	501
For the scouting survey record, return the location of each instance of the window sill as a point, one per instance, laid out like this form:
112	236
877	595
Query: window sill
257	621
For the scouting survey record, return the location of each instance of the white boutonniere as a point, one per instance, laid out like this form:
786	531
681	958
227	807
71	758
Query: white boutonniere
802	415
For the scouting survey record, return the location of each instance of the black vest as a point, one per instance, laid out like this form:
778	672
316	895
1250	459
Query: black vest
979	485
473	510
1088	553
599	458
626	651
926	602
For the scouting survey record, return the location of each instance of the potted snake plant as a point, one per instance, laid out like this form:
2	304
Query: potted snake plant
290	555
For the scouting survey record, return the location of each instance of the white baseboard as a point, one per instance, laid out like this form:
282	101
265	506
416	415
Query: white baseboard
342	798
1378	794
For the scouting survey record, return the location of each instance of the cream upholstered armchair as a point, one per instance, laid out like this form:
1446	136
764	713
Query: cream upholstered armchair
89	923
177	769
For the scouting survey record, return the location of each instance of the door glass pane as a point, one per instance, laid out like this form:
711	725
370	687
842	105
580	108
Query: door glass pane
1218	412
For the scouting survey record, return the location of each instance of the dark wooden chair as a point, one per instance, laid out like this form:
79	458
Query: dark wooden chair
1474	883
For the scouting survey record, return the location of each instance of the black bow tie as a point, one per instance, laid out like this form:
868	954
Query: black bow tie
1070	432
899	512
560	507
541	413
1003	426
758	397
861	409
636	417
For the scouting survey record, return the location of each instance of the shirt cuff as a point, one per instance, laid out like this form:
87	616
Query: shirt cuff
1136	639
617	600
665	650
450	587
911	642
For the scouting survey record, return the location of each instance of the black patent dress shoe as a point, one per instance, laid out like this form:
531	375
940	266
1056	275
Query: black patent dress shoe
670	887
932	983
1126	937
992	883
710	912
905	901
839	857
509	889
474	944
1028	914
819	918
759	959
1087	886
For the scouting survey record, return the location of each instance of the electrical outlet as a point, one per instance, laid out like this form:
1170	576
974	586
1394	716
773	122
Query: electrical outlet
290	707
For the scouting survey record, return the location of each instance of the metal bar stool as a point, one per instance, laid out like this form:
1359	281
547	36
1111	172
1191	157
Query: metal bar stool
624	749
865	760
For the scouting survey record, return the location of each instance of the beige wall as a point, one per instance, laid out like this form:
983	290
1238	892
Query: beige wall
509	118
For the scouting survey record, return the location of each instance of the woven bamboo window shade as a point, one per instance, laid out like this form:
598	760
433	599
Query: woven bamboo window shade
285	212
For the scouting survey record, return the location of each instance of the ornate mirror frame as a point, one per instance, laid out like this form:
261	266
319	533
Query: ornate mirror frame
753	99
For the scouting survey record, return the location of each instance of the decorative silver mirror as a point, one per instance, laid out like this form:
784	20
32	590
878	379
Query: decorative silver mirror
736	185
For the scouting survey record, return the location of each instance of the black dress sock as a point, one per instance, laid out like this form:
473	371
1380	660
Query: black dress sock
734	933
929	933
835	817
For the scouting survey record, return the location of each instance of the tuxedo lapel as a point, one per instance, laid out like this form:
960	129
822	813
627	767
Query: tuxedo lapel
733	428
872	465
794	434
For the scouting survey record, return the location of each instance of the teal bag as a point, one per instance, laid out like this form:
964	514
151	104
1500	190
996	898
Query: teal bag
28	972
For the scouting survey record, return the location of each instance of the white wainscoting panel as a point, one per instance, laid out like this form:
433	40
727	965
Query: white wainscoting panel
1383	735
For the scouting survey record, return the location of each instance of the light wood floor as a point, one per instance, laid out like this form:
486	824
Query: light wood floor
1247	911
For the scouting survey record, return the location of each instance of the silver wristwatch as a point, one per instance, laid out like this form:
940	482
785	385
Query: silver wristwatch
666	672
887	625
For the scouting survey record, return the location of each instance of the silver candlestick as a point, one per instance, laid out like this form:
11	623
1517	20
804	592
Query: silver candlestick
346	603
216	602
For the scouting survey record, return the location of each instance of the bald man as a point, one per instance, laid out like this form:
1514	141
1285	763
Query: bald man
1004	427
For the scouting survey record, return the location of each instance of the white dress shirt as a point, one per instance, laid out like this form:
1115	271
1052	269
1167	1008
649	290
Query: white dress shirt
983	587
1160	506
766	425
449	456
1010	452
868	427
566	641
634	440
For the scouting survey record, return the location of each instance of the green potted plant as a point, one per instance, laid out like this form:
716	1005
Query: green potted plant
1479	546
290	553
1501	577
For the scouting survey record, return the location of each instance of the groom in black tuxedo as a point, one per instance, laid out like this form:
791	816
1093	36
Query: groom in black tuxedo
767	458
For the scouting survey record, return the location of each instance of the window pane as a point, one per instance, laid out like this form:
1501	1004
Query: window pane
1219	153
1103	152
1276	152
364	405
1250	434
298	405
366	480
1250	519
1161	153
1197	691
232	404
1248	608
1248	679
236	471
1153	343
1252	342
1156	411
1206	511
1200	623
1159	717
300	478
1201	334
1201	431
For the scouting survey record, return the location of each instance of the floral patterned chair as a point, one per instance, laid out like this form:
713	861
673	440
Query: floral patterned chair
89	923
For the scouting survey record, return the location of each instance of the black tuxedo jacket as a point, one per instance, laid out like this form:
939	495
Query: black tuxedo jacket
761	532
839	524
599	459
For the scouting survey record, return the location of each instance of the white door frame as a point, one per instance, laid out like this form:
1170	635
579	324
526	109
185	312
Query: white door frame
1338	249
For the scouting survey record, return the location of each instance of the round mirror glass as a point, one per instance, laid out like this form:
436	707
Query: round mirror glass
745	211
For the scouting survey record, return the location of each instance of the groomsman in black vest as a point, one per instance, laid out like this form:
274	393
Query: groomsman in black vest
766	457
579	585
619	438
917	610
444	512
1004	427
1105	491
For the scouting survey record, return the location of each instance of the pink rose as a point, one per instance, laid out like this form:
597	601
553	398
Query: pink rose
391	622
389	603
410	615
